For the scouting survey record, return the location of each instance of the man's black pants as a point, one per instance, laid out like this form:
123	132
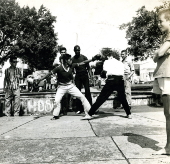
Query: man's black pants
83	80
113	83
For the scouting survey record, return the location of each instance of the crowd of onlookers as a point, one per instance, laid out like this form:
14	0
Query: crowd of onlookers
47	84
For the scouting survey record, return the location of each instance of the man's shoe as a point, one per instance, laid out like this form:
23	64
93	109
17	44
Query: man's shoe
64	113
96	112
80	112
55	118
162	152
36	116
87	117
129	116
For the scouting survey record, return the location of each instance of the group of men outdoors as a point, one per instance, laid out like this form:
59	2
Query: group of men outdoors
69	69
115	79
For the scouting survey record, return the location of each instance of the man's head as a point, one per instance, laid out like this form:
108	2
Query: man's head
63	50
66	58
112	55
13	61
164	20
123	54
77	50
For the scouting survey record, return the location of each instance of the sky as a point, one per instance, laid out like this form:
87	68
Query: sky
91	24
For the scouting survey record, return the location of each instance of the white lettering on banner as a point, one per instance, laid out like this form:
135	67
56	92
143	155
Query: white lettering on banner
40	105
139	102
31	105
49	105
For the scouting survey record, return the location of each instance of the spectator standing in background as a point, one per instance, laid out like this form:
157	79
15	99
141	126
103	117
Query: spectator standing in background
82	75
11	88
128	72
48	83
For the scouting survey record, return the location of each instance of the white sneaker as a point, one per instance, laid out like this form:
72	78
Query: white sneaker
129	116
95	115
35	116
162	152
79	112
87	117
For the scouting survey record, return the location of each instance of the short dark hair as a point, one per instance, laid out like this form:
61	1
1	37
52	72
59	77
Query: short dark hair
166	13
123	51
12	58
76	47
63	48
66	57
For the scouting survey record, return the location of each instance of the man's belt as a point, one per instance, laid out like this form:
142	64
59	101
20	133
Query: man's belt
112	77
65	84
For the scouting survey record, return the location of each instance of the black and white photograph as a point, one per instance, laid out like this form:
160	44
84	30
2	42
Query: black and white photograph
84	81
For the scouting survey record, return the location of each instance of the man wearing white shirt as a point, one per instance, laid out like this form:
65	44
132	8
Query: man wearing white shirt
128	72
114	82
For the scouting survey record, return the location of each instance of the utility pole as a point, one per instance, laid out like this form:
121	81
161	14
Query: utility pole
76	38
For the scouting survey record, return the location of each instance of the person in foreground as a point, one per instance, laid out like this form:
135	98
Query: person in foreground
65	84
114	82
161	74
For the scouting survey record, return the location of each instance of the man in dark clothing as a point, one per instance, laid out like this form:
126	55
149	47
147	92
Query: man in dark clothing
114	82
82	77
65	83
65	102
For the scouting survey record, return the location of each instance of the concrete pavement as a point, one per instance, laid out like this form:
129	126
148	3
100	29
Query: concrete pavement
108	139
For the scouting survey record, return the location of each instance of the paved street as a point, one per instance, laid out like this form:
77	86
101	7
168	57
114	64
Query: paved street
108	139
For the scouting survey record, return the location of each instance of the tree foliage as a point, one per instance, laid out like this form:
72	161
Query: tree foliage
9	26
105	51
143	33
28	33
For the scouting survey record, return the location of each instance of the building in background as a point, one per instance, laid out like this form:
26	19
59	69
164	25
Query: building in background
144	71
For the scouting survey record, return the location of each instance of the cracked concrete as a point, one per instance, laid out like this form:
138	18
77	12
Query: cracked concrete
107	139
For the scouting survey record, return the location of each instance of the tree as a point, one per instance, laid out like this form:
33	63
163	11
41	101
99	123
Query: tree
105	51
33	39
9	27
142	33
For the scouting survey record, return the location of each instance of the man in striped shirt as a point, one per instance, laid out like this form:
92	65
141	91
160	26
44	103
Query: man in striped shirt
11	88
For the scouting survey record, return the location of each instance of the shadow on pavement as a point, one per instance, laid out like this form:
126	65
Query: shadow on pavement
106	114
142	141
